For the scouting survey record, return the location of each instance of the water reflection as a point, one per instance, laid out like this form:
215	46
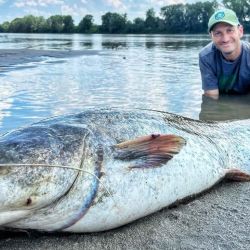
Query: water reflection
227	107
150	44
97	41
86	45
183	44
113	45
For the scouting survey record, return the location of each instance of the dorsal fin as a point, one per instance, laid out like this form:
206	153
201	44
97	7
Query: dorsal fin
149	151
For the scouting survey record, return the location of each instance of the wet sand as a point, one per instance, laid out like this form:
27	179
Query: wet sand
217	219
10	57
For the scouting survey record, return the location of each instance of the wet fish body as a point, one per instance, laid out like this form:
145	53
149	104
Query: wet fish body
101	169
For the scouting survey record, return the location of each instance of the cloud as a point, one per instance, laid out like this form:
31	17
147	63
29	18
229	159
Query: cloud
73	10
118	4
2	2
24	3
84	1
167	2
37	12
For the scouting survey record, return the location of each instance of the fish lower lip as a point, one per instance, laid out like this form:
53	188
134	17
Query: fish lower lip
11	216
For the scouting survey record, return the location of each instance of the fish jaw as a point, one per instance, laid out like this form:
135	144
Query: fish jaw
30	174
25	189
73	204
10	216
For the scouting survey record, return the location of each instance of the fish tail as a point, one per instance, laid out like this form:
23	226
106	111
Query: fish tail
238	137
237	175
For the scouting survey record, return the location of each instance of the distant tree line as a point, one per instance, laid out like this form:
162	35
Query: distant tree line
177	18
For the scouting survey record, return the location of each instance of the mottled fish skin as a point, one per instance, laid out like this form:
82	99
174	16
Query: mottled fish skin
105	191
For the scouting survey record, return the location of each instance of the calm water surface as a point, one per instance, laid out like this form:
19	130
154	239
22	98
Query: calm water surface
144	71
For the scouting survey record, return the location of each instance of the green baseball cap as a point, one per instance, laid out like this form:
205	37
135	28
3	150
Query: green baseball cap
225	16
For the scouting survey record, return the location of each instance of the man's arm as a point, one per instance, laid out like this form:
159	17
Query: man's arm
208	77
214	93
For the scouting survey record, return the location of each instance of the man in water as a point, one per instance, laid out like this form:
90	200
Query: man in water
225	62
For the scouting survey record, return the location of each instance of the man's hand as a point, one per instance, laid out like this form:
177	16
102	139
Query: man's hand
214	93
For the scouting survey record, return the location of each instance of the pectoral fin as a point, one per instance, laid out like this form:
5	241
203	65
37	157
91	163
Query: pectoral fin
149	151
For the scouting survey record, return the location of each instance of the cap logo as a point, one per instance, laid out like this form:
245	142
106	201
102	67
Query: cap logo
219	15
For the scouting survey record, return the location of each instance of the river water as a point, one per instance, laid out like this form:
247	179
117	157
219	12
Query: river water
129	71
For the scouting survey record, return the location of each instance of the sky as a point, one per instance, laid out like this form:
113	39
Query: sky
10	9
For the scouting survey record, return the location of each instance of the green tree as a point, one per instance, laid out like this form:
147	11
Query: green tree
86	24
242	9
55	24
27	24
113	23
30	24
161	26
5	27
68	24
193	20
178	18
129	27
174	19
138	25
197	16
151	21
40	25
16	25
207	9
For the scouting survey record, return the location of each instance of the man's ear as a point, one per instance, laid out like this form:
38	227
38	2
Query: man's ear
241	30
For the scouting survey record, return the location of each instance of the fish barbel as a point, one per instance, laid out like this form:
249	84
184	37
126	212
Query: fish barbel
101	169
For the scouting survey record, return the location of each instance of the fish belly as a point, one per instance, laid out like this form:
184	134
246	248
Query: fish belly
128	195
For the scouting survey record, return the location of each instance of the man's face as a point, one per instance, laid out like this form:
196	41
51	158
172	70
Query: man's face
227	39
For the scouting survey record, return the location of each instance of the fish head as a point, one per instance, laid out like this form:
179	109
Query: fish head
25	189
29	187
30	174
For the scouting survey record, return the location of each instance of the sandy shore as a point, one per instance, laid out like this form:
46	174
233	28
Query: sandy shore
10	57
218	219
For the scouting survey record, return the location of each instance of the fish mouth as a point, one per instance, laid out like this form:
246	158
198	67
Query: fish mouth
11	216
20	197
33	191
27	211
